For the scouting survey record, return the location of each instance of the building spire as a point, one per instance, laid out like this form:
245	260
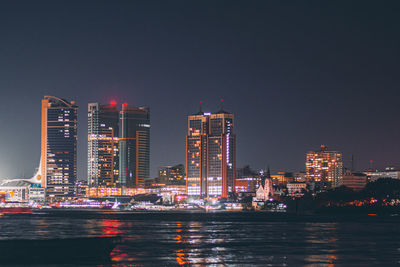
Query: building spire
200	106
268	175
222	104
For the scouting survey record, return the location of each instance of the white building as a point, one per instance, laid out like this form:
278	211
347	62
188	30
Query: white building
389	172
265	192
296	189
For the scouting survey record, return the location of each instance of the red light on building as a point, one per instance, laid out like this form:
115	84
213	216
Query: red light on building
125	104
113	103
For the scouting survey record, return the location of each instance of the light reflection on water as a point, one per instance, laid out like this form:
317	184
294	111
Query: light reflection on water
226	240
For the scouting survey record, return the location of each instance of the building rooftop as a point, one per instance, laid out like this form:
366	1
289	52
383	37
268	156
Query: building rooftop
14	183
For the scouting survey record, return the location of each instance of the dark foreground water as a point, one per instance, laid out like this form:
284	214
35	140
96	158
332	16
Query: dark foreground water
233	239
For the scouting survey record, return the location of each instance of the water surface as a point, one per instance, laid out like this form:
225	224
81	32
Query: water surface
233	239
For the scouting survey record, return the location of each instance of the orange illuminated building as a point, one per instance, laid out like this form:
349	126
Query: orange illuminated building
58	146
282	178
210	154
325	166
102	191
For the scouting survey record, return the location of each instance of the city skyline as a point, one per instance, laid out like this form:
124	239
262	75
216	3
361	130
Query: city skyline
229	132
291	88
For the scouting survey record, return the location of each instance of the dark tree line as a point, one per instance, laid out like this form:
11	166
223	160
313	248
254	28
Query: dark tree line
380	190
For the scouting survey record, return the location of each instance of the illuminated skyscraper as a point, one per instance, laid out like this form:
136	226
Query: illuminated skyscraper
134	146
58	146
210	154
325	167
103	144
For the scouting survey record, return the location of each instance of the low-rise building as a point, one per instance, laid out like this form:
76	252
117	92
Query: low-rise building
355	181
247	180
282	178
246	184
172	175
17	190
389	172
37	193
22	190
296	188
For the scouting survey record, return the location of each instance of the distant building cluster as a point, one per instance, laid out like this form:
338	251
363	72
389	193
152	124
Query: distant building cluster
119	161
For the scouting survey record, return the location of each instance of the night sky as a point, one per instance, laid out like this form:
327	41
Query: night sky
296	74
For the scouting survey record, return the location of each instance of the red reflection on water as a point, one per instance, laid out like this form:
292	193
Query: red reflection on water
110	227
181	257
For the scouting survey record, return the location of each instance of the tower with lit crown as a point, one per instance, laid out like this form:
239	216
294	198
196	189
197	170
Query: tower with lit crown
134	146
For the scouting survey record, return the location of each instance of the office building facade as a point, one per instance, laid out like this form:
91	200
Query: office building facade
210	155
172	175
58	146
134	146
103	132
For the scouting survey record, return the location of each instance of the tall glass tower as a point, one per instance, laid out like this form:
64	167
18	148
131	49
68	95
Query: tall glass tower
58	146
134	146
103	134
210	154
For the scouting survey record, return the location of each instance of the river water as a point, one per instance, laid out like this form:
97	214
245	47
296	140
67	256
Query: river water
224	238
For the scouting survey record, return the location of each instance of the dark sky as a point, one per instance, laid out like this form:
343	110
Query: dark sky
296	74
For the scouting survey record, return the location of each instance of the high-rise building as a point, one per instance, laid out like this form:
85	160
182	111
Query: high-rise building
172	175
58	146
325	167
210	154
103	132
134	146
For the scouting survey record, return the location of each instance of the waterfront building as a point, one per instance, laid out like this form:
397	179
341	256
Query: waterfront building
247	180
134	146
354	180
17	190
388	172
102	191
58	146
172	175
210	154
246	184
21	190
324	167
103	132
81	188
